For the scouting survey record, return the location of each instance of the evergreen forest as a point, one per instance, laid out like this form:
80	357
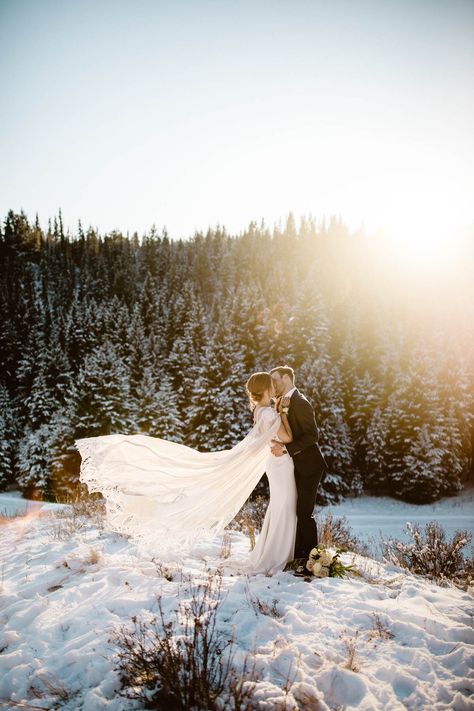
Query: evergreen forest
108	333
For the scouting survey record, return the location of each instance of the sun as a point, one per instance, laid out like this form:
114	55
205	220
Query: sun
421	203
419	239
419	225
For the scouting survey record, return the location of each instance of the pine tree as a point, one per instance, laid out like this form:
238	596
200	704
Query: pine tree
246	313
218	408
35	460
376	477
184	363
306	333
349	366
8	434
46	458
456	386
448	439
321	384
402	413
420	480
102	397
413	409
157	411
137	350
147	303
366	398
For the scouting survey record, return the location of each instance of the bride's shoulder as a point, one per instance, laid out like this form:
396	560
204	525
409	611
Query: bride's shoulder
263	408
265	412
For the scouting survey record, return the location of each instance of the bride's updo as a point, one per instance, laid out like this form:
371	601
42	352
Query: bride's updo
256	386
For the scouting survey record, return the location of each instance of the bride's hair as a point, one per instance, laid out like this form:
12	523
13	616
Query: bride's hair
256	386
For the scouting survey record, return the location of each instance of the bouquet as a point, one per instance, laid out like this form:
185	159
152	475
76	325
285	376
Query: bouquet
325	563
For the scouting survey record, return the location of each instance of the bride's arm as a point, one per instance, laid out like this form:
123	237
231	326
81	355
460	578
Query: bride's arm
285	434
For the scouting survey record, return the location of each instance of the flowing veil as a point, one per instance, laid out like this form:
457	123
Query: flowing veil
170	495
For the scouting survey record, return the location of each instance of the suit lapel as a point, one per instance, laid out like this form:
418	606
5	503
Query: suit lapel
291	414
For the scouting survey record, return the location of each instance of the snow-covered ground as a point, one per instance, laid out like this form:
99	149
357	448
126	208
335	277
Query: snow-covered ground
12	504
62	591
370	516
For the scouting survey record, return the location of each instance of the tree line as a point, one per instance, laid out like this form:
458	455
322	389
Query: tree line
118	333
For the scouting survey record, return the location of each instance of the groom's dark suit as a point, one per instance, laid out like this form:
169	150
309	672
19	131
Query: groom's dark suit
310	467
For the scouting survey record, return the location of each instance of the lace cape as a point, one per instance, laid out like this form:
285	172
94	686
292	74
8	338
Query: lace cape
171	495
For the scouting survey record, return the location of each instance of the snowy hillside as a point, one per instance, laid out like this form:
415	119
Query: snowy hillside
381	640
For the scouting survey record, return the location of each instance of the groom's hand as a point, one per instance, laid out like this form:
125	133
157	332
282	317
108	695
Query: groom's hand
277	448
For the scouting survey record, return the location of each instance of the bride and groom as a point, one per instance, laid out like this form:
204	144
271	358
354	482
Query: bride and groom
294	469
169	495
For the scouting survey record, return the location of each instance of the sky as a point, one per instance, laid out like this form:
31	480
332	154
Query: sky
185	115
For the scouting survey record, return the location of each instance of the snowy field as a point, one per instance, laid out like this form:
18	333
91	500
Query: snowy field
63	591
12	504
367	516
370	516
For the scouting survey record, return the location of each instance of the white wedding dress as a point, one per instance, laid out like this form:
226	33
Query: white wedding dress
170	496
276	543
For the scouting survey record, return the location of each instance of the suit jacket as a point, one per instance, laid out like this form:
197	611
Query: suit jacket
303	425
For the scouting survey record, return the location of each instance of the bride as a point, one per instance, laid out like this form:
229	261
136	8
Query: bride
276	543
171	496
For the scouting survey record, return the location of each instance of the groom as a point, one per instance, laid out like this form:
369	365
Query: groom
309	463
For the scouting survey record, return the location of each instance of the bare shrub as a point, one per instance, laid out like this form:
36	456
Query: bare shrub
8	704
166	571
307	698
184	663
249	519
380	630
350	644
48	688
290	678
64	527
52	686
372	571
78	513
94	556
260	606
336	532
90	506
226	546
242	683
430	553
8	517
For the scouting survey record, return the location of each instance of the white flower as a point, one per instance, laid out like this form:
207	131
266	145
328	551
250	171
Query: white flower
326	558
324	572
316	567
314	551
